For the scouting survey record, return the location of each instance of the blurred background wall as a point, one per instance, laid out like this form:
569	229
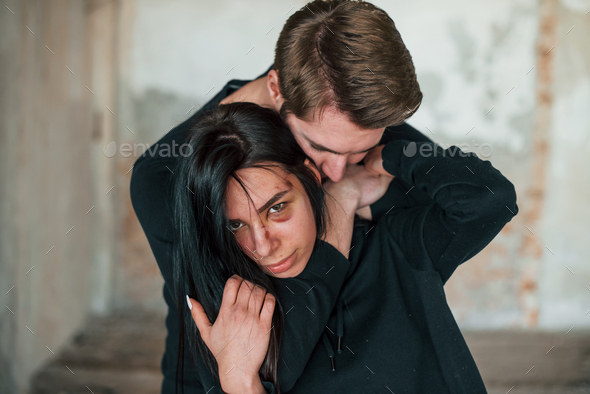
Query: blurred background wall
59	229
509	80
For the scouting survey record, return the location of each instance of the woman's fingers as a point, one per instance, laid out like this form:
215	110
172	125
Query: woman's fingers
246	296
267	310
244	293
230	291
200	318
256	300
240	334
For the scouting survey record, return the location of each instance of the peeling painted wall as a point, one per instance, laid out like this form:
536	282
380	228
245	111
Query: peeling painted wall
565	219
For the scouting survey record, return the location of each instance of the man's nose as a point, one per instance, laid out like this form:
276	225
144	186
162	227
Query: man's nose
261	241
335	167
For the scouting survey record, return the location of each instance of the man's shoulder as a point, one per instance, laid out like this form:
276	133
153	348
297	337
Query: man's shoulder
154	168
152	179
150	190
157	162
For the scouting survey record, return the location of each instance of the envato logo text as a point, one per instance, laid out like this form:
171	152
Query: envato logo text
484	151
138	149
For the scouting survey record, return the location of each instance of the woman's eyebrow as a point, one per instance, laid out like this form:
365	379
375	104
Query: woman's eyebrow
273	200
268	204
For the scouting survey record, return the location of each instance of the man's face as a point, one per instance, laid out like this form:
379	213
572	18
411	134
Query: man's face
333	141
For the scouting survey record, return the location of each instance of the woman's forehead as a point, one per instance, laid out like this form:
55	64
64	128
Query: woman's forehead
261	184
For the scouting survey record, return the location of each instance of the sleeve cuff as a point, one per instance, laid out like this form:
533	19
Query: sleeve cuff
269	387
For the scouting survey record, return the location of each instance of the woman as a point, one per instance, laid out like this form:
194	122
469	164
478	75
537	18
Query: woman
243	135
249	203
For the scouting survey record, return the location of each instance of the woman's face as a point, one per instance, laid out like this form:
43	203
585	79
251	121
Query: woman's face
277	225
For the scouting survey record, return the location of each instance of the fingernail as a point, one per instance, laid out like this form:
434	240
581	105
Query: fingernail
190	306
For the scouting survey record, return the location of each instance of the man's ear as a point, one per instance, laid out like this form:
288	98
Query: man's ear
312	166
272	84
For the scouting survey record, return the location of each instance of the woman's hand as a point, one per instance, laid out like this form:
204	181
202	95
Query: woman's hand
239	338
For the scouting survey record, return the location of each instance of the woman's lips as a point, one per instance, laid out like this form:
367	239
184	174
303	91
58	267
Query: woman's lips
283	265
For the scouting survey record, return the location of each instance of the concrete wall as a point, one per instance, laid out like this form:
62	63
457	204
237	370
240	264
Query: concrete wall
57	239
491	85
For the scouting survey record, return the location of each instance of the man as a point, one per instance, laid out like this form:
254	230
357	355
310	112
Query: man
344	82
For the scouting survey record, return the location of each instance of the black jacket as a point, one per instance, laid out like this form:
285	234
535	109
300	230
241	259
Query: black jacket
150	193
392	328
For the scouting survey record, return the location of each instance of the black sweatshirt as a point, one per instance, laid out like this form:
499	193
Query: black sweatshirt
151	196
391	322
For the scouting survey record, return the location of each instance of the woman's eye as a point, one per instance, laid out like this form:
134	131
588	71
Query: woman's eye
235	226
276	208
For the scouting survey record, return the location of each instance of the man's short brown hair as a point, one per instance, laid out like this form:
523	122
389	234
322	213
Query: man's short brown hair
347	55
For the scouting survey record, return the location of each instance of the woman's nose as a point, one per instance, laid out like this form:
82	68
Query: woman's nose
261	241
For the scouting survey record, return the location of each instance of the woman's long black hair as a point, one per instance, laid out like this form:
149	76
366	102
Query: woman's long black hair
206	253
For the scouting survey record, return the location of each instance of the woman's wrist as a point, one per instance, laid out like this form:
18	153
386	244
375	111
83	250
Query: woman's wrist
256	388
247	386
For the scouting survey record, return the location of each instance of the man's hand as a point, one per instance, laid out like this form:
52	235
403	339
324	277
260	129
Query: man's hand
358	189
361	186
374	161
365	213
239	338
374	164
